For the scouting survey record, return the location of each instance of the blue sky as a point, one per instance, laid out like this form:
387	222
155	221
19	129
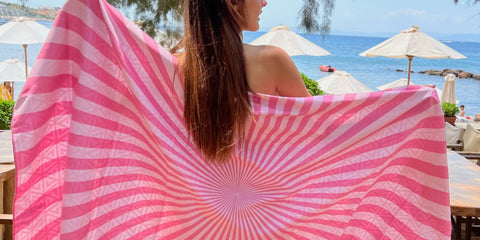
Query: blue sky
372	17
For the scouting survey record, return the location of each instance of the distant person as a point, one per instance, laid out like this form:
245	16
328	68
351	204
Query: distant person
5	91
462	111
8	86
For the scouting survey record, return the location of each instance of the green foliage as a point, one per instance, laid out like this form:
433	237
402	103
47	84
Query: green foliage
309	16
6	111
450	109
152	14
312	86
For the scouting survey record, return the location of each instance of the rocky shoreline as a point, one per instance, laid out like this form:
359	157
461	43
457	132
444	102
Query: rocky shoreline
445	72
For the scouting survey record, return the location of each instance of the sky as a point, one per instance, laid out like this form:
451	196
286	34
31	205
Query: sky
372	17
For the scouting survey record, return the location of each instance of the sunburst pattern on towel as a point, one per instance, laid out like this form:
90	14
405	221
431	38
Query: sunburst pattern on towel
102	152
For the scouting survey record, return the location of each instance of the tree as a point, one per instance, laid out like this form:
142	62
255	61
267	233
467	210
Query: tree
474	1
149	14
167	14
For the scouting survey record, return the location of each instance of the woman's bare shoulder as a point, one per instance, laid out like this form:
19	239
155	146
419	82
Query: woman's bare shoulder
265	53
277	65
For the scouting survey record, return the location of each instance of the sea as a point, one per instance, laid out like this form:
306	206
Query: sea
345	50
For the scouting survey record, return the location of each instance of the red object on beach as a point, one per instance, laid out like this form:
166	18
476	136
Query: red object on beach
327	68
102	152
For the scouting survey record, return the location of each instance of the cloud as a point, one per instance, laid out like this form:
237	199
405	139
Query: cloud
406	12
414	16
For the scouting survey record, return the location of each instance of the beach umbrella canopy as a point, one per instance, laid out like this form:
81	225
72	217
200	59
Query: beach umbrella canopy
294	44
341	82
448	94
404	82
412	43
13	70
397	83
23	31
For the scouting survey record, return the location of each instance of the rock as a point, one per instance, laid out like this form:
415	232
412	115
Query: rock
457	72
465	75
452	72
434	72
448	71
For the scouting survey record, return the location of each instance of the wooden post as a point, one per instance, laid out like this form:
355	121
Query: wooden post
410	58
8	197
7	180
26	65
12	90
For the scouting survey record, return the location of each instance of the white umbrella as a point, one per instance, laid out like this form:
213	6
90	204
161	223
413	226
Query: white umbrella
448	94
13	70
404	82
412	43
341	82
397	83
294	44
23	31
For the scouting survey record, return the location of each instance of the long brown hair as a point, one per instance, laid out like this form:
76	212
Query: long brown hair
216	88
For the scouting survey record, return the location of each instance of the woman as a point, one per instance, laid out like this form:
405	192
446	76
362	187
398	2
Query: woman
219	71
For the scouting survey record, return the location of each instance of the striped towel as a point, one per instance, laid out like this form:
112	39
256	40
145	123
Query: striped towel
102	152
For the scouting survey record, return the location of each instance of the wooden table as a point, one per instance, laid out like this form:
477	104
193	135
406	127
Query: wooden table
464	192
7	180
6	149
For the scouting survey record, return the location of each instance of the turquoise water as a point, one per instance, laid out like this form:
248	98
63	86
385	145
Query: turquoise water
376	71
373	72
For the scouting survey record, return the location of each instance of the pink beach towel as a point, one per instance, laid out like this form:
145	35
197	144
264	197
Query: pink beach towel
101	152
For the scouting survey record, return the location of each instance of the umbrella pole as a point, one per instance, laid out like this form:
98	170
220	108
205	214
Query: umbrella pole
26	66
13	91
410	58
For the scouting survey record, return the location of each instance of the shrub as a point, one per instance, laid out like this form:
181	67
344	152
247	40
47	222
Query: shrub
312	86
450	109
6	110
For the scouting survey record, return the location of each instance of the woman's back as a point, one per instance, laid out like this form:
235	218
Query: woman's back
269	71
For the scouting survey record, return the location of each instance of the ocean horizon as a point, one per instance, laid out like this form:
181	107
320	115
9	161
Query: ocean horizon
377	71
345	50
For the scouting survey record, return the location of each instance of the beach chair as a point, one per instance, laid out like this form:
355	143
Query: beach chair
471	141
454	136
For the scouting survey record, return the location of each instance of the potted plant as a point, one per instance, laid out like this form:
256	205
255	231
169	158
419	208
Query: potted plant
450	111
